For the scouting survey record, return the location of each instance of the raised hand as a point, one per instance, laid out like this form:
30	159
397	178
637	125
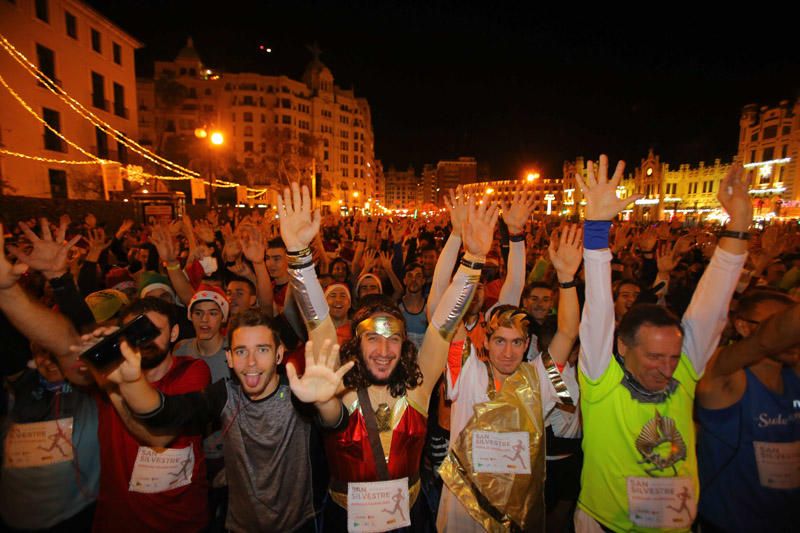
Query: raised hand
369	258
205	231
666	258
517	212
97	243
130	369
48	256
124	228
733	196
9	273
319	381
456	205
602	202
298	224
566	251
386	260
252	244
164	244
477	230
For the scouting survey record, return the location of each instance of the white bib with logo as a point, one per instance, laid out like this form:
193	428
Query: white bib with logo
378	506
39	444
661	502
501	453
778	464
159	471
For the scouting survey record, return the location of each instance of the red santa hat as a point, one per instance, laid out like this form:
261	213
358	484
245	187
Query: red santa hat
210	293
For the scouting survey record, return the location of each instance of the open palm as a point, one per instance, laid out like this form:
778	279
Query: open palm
478	229
566	250
298	224
320	381
600	192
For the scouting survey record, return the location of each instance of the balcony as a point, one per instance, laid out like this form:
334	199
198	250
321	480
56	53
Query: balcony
99	102
56	81
121	111
54	143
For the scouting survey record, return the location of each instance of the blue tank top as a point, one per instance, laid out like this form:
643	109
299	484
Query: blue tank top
416	324
748	456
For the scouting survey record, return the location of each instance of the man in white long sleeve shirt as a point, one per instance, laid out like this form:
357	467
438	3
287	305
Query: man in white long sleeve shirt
640	467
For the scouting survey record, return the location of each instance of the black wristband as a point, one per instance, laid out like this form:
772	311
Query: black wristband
304	251
301	266
568	284
742	235
473	266
520	237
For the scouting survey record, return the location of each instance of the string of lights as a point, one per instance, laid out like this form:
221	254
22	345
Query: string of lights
48	159
75	105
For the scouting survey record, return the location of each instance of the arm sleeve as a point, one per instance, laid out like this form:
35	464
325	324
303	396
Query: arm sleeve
597	322
707	314
194	411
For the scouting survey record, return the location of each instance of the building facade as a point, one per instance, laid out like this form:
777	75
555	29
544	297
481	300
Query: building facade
276	130
93	61
403	189
451	174
547	193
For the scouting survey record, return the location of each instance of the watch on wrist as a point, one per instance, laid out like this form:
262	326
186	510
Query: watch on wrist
568	284
742	235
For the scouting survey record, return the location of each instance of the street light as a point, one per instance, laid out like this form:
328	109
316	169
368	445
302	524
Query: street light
532	176
217	138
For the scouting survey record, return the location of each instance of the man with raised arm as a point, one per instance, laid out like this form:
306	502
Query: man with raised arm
388	390
749	413
640	467
477	498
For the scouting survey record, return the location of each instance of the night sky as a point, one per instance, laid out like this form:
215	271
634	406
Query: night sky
517	85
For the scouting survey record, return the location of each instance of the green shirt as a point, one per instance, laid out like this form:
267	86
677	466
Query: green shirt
615	442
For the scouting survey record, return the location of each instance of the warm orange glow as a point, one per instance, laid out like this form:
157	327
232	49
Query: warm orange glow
200	133
217	138
532	176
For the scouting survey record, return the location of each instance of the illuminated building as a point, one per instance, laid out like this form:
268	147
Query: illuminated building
89	57
280	129
547	192
450	174
403	189
769	145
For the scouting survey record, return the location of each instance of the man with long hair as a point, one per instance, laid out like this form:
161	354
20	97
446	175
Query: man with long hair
388	390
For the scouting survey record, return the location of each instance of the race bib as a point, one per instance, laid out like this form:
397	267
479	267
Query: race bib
378	506
38	444
501	453
159	471
778	464
661	502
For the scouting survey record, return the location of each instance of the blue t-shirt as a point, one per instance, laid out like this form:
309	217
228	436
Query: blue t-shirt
39	497
749	459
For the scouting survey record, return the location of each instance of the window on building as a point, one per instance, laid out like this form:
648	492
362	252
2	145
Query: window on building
207	92
752	156
122	153
47	61
784	151
770	132
247	117
710	186
344	173
263	118
286	119
117	52
51	140
58	182
325	155
768	154
99	91
248	131
102	143
785	130
119	101
43	10
72	24
754	137
286	103
248	146
343	159
96	44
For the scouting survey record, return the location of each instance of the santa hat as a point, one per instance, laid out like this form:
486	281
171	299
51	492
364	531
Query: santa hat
362	277
210	293
338	286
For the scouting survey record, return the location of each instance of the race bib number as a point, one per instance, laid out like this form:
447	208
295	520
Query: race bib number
39	444
661	502
378	506
159	471
778	464
501	453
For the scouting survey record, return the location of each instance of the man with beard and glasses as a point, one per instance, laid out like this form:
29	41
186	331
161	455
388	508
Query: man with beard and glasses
375	460
136	494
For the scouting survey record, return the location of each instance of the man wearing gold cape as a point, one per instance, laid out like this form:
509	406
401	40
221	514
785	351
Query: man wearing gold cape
495	393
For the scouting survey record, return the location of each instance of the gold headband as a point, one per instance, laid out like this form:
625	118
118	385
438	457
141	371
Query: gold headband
385	326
